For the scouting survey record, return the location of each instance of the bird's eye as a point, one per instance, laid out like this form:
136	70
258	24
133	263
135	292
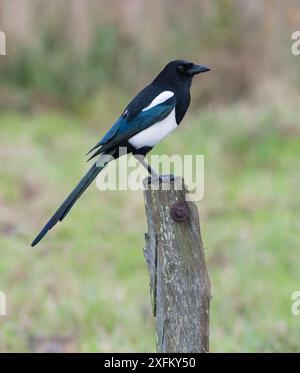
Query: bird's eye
180	68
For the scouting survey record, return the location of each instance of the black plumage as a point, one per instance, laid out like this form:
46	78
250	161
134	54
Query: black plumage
148	118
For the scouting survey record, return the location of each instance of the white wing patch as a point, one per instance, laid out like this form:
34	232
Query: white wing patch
154	134
162	97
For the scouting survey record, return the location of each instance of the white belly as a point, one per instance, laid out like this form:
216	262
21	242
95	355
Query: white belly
153	135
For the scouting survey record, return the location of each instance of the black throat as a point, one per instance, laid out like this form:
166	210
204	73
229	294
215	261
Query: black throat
169	81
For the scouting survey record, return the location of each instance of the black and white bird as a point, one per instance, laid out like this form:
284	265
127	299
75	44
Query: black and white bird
151	116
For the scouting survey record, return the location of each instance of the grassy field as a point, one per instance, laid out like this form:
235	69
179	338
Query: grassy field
85	287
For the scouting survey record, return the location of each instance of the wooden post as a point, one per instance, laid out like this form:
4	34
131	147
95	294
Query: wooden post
179	283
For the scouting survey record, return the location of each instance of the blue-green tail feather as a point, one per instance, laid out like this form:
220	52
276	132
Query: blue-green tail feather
69	201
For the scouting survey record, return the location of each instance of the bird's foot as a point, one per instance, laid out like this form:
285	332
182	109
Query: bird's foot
161	179
149	180
166	178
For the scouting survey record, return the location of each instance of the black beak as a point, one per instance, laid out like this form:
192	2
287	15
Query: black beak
198	69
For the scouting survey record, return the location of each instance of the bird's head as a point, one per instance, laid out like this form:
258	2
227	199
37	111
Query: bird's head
180	71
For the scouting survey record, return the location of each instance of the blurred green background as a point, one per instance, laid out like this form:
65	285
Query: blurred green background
70	69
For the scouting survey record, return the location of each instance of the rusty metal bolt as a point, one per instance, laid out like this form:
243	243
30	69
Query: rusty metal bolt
179	211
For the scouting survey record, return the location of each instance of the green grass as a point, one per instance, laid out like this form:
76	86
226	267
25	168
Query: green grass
86	285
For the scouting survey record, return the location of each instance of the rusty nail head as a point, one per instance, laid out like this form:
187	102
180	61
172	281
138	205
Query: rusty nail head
179	211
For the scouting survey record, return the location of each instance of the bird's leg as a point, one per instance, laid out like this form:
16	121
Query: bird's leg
151	171
147	166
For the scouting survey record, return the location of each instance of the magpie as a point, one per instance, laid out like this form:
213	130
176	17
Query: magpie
152	115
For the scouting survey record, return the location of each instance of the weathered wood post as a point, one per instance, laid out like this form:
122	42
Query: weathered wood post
179	283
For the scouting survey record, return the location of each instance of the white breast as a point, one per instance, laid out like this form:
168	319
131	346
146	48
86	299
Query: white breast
153	135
